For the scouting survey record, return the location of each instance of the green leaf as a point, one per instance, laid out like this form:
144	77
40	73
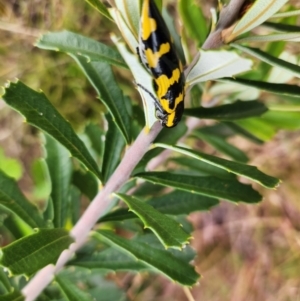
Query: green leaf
41	179
284	89
241	131
95	135
71	291
221	145
215	64
101	77
274	61
230	190
114	145
109	259
29	254
174	203
193	20
75	206
164	261
86	183
258	127
283	27
91	282
181	202
72	43
260	11
130	13
247	171
283	119
167	230
287	14
141	76
218	129
4	281
11	167
60	170
236	110
13	296
16	226
39	112
100	7
201	168
288	37
13	199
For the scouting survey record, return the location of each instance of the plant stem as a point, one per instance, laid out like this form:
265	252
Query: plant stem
98	207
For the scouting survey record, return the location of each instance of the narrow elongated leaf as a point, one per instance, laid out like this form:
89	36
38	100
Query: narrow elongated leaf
114	145
162	260
201	168
95	135
167	230
182	202
101	77
60	170
39	112
41	179
286	14
289	37
92	282
71	291
109	259
241	131
174	203
12	198
287	28
231	190
248	171
14	296
4	280
29	254
274	61
130	12
10	166
213	64
193	20
283	119
260	11
236	110
222	145
72	43
75	206
16	226
187	254
258	127
86	182
284	89
142	77
100	7
217	129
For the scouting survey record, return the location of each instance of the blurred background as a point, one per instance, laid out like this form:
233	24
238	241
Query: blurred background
244	252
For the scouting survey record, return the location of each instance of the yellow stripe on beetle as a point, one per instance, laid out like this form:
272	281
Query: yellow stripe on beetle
159	56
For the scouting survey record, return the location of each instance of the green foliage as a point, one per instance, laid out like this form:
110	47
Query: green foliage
11	167
29	254
161	181
168	231
162	260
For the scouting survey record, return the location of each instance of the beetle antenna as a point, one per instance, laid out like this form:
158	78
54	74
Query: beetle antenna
157	104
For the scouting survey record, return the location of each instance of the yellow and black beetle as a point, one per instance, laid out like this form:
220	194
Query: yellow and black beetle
159	56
